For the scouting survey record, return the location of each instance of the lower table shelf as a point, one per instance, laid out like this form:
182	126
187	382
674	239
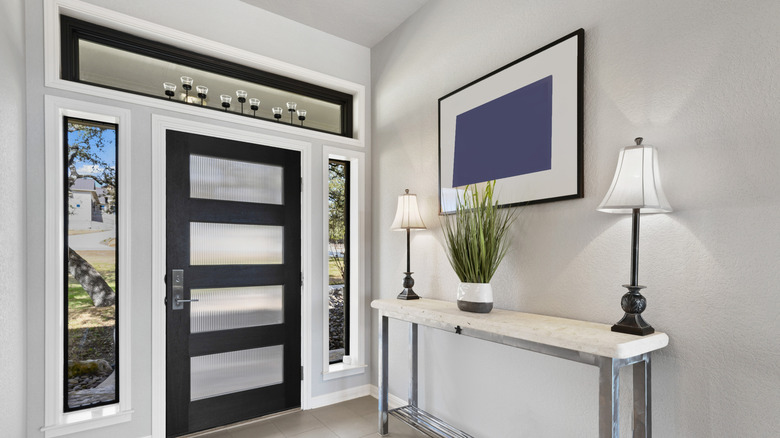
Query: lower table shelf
427	423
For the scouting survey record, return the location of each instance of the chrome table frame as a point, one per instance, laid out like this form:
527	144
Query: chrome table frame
609	390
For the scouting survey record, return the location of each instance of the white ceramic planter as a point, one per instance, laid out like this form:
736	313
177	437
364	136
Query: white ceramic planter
475	297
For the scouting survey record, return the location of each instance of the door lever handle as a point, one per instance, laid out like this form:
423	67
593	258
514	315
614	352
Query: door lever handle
177	289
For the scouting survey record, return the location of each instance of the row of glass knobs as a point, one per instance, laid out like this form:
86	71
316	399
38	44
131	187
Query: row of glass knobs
254	103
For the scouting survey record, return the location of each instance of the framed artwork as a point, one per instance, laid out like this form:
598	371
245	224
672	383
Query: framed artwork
520	125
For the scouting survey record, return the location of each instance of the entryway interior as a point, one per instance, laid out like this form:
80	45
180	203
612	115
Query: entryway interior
697	79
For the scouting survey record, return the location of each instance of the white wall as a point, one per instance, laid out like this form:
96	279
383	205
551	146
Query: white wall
13	359
247	27
697	79
230	22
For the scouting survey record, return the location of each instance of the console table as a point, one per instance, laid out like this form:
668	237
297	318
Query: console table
581	341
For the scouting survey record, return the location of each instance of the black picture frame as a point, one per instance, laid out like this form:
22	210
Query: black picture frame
559	67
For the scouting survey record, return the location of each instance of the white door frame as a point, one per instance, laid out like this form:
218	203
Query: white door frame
160	124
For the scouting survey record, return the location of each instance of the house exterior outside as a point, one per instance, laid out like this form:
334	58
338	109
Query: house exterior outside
87	206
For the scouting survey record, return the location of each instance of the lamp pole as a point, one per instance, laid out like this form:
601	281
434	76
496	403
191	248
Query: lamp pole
408	265
635	247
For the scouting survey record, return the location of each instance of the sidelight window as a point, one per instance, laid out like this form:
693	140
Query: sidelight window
345	262
338	260
91	374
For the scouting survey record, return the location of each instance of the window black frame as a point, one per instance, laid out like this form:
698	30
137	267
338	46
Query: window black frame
347	255
72	30
65	406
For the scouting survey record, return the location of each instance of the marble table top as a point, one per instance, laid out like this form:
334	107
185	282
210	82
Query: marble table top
503	326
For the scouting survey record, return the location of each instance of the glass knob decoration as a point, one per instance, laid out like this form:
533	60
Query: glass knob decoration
203	91
226	99
277	110
186	82
170	89
291	108
241	94
254	105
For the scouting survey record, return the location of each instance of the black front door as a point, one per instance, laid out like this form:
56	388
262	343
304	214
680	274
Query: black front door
233	281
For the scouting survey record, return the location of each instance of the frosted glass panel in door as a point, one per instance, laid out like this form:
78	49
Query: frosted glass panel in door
235	371
235	244
232	180
236	307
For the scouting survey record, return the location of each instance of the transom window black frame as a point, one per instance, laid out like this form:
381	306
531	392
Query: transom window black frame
72	30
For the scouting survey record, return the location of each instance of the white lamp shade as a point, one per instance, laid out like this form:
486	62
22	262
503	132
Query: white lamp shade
637	183
407	216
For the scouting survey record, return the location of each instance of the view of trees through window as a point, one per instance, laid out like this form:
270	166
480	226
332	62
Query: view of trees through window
338	256
91	374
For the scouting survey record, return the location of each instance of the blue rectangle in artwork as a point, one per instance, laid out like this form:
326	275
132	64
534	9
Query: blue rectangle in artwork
508	136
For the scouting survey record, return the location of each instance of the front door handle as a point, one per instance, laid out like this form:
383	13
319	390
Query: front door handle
177	289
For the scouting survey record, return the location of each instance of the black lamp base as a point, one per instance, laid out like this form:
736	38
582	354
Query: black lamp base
408	293
633	324
633	303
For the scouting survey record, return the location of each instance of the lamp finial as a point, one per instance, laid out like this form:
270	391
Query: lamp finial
407	191
638	141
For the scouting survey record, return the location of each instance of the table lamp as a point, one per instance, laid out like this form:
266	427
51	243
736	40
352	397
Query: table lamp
635	189
407	217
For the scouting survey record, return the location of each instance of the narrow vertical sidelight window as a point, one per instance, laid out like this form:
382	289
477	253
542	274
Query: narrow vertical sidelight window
91	374
338	259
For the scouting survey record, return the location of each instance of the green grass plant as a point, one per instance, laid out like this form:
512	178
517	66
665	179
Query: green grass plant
476	234
334	274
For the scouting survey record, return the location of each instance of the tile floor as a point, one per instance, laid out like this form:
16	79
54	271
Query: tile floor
351	419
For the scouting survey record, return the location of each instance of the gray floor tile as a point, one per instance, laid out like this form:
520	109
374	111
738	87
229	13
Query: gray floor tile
297	423
263	429
362	405
333	414
322	432
354	427
217	434
351	419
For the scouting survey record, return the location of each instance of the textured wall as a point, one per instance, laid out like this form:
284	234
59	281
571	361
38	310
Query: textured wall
246	27
13	358
697	79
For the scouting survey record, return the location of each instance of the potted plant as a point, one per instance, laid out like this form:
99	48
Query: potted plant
476	239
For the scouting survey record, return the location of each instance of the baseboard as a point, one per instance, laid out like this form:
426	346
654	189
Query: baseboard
340	396
393	401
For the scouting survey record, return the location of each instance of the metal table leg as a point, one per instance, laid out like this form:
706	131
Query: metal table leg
413	365
642	417
383	365
609	391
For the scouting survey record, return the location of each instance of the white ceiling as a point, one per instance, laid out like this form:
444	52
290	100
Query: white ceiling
365	22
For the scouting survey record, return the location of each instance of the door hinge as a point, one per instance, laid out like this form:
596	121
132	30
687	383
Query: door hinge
301	278
301	373
301	185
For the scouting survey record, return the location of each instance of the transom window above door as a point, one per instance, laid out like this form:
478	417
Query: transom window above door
108	58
